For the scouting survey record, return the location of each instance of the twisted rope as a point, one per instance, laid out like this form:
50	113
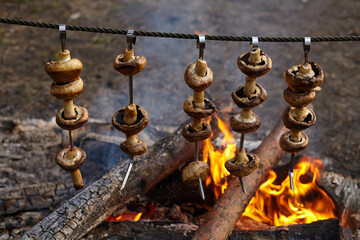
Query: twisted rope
177	35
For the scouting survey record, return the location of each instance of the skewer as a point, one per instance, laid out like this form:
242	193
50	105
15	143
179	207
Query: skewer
200	183
291	171
131	39
242	137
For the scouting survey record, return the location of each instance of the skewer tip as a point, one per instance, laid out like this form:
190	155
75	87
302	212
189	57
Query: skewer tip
242	184
201	190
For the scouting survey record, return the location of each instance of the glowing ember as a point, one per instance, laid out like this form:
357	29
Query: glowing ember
217	159
277	205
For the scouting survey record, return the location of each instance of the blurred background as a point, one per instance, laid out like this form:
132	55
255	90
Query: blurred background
160	88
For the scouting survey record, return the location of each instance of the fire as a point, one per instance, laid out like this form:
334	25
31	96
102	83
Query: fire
277	205
126	216
217	159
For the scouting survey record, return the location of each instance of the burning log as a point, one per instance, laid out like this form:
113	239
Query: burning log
220	222
97	202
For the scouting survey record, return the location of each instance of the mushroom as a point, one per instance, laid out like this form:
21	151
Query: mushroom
241	124
249	101
81	117
71	159
303	78
196	112
131	120
255	63
65	69
128	64
293	142
193	171
193	134
300	99
243	164
296	122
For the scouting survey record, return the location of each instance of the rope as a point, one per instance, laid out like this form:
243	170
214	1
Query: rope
177	35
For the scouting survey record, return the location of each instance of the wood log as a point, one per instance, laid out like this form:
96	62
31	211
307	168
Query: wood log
97	202
220	222
325	229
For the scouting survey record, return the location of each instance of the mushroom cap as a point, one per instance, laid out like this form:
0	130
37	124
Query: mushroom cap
254	71
193	171
133	129
196	112
299	100
82	116
244	102
133	150
242	170
241	125
67	91
290	146
196	82
192	136
299	83
295	125
64	72
72	164
131	67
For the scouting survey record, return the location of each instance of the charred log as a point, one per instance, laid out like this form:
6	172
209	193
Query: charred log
95	203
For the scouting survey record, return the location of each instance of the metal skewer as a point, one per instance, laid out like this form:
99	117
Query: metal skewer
200	183
291	171
306	47
242	137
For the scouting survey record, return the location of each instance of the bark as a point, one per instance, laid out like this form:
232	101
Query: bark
98	201
220	222
344	191
34	197
326	229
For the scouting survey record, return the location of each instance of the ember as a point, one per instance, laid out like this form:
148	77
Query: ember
277	205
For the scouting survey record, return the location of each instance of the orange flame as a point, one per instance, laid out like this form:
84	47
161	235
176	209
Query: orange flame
277	205
126	216
217	159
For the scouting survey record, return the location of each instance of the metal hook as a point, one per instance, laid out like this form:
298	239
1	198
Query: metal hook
254	42
306	46
201	45
62	30
130	38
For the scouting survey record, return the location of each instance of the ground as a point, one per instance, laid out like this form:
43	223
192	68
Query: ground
160	88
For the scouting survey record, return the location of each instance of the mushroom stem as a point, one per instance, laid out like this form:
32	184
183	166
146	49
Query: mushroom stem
69	109
254	57
77	179
128	55
201	67
250	87
70	154
196	125
130	115
246	113
199	99
64	56
132	140
295	136
241	157
306	71
300	113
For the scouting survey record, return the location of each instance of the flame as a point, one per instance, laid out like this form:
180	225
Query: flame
217	159
126	216
277	205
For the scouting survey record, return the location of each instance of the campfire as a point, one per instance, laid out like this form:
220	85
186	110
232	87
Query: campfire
276	205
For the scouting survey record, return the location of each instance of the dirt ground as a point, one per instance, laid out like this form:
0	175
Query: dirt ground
160	88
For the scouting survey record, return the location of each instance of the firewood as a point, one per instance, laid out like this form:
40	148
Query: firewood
220	222
98	201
